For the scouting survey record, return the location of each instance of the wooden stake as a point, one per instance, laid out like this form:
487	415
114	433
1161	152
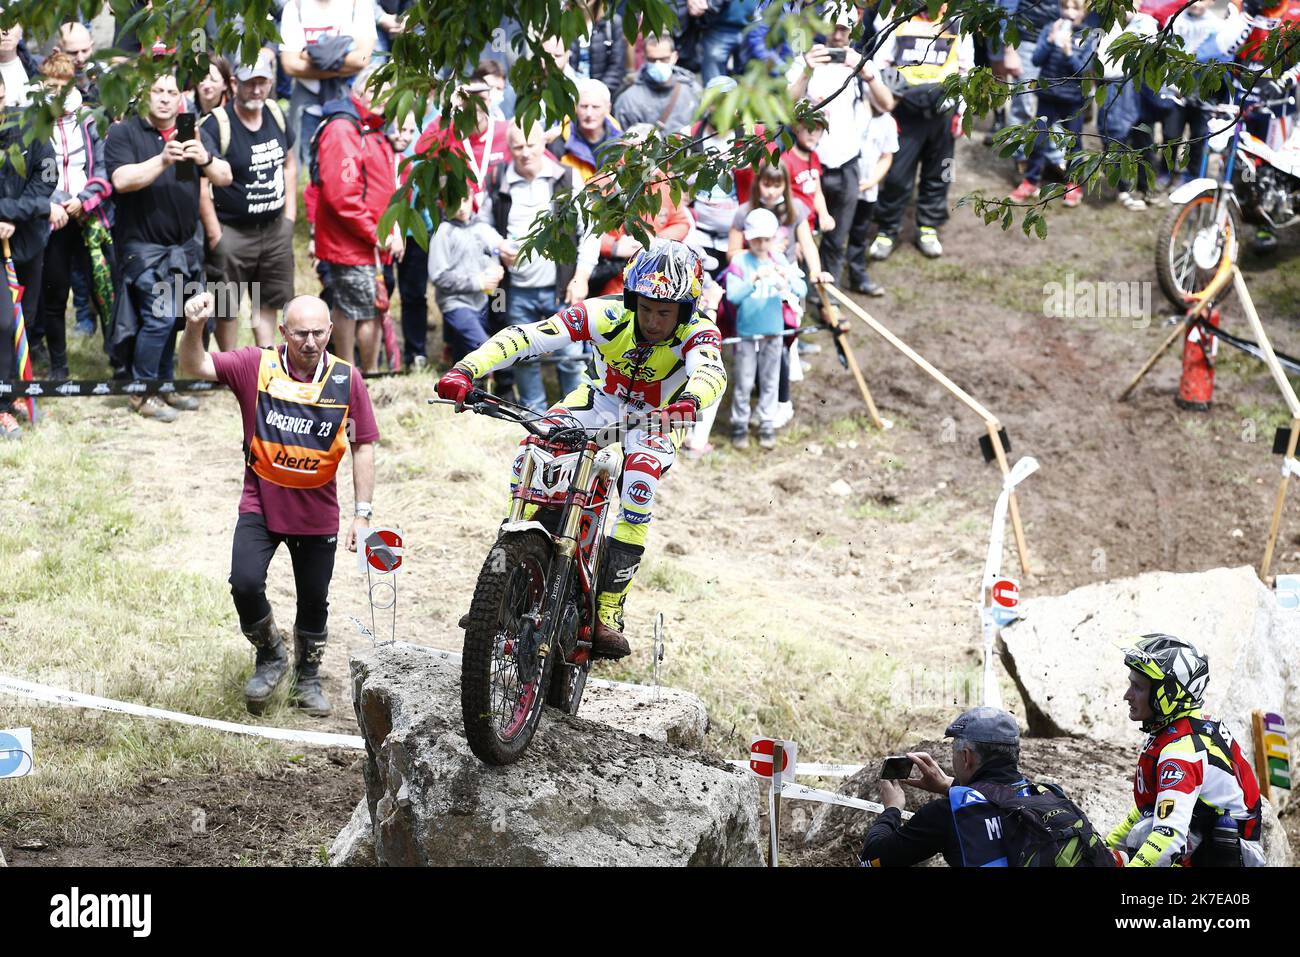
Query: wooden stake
1206	299
912	354
990	421
1279	504
1292	403
1270	357
1261	753
1178	330
774	803
852	360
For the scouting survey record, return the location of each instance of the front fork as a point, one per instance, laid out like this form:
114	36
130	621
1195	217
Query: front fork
543	634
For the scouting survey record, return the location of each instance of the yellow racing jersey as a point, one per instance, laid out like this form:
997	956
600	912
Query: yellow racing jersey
642	375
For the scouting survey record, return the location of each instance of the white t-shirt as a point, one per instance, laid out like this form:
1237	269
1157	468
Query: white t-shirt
304	22
878	139
16	81
845	115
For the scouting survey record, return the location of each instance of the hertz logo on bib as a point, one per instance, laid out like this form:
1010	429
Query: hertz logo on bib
299	428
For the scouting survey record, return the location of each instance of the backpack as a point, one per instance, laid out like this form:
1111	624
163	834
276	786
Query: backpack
222	119
1046	829
313	145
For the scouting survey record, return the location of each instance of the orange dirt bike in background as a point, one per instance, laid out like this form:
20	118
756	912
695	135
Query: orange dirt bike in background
529	628
1201	235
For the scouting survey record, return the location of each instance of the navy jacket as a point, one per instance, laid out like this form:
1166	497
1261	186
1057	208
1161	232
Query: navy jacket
1054	66
25	197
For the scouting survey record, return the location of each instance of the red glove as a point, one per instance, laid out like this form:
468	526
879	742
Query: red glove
455	385
955	126
682	412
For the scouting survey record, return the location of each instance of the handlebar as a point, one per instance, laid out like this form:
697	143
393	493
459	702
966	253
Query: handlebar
545	426
1226	110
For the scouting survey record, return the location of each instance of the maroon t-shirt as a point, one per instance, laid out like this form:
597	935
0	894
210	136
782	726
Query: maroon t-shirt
289	511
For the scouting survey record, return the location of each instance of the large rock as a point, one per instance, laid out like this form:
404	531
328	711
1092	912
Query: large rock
585	793
1097	776
1065	660
355	844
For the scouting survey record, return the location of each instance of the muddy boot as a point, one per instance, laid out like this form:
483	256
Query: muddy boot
307	693
621	566
271	667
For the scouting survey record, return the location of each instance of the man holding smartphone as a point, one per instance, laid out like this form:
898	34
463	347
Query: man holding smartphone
155	234
967	823
821	72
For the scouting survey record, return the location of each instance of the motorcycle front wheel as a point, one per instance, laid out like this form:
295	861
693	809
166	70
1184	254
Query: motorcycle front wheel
1191	248
504	671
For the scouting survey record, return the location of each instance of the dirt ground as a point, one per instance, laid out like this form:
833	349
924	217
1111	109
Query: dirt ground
890	568
285	818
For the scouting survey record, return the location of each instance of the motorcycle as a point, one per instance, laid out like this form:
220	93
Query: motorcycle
529	628
1257	184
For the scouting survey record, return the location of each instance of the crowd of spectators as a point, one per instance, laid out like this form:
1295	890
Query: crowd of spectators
152	206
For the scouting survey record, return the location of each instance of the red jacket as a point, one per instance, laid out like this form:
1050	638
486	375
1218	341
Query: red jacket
358	178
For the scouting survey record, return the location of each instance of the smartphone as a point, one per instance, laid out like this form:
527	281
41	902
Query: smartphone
836	54
184	133
896	768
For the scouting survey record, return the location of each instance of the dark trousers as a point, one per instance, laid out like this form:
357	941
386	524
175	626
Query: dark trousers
313	567
840	186
413	285
859	234
1155	111
1052	113
155	341
65	252
924	142
465	330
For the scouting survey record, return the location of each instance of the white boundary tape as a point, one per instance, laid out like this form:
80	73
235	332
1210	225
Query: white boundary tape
33	691
816	770
801	792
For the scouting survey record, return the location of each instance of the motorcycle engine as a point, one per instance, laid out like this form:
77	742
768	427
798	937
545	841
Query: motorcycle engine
1274	197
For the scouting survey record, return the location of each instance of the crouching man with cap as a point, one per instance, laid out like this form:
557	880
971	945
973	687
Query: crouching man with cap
970	823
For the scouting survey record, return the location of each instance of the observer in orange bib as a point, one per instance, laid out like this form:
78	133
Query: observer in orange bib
302	408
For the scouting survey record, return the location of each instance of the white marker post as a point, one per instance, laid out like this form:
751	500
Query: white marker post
999	600
774	800
379	557
769	758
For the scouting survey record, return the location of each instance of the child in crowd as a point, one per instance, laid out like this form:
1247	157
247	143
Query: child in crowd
772	191
466	272
1065	50
806	172
879	144
1197	23
762	287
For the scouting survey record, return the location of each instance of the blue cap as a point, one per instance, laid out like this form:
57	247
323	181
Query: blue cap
985	726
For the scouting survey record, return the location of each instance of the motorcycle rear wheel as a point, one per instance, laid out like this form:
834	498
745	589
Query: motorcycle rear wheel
1182	278
501	694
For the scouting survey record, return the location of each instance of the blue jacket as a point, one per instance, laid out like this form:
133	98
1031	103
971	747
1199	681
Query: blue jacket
757	312
1054	66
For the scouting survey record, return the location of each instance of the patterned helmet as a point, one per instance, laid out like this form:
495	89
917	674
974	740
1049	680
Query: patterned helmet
667	271
1178	673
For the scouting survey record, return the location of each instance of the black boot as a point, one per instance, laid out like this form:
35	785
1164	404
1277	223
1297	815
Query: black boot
307	693
621	565
271	667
